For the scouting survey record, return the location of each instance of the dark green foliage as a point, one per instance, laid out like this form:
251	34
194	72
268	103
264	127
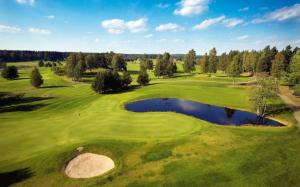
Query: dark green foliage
143	79
59	70
118	63
223	62
165	66
125	79
41	63
2	64
212	61
294	69
278	65
10	72
204	63
107	81
235	67
36	78
296	89
189	61
146	63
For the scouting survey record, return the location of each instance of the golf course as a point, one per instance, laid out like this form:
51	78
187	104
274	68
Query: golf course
42	129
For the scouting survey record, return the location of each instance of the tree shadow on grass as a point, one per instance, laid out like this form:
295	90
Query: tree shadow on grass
13	177
54	86
134	72
21	108
7	98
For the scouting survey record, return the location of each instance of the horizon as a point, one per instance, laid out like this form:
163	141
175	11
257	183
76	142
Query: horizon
139	27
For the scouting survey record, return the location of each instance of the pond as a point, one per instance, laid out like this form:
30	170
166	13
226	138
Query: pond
214	114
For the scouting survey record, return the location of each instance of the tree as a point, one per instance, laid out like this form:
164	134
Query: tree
158	71
204	63
263	94
41	63
234	69
149	64
10	72
106	81
36	78
78	70
287	53
165	65
90	61
189	61
143	79
223	62
125	79
212	61
118	63
278	66
294	69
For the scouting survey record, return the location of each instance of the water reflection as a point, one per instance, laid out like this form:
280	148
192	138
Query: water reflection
210	113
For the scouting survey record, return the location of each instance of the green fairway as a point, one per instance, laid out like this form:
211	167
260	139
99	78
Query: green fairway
41	132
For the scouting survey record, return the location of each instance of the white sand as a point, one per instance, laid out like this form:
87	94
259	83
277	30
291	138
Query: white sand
88	165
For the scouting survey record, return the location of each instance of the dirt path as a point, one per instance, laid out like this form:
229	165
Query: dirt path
292	101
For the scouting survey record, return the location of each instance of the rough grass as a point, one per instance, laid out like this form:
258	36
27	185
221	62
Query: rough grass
150	149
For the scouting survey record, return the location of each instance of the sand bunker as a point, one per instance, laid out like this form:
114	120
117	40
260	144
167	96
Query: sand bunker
88	165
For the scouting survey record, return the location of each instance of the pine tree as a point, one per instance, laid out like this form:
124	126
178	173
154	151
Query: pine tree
36	78
189	61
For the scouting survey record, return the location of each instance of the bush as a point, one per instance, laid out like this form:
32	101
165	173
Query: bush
126	79
10	72
41	63
59	70
297	90
106	81
143	79
36	78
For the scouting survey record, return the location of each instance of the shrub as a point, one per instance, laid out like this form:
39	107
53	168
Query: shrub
59	70
10	72
143	79
36	78
41	63
297	90
106	81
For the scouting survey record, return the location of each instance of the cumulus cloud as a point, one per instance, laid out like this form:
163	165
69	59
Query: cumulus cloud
148	35
282	14
26	2
232	22
243	37
118	26
168	27
137	25
161	5
209	22
50	17
191	7
244	9
39	31
9	29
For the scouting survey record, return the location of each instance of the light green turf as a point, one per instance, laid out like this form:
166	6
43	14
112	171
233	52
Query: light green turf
150	149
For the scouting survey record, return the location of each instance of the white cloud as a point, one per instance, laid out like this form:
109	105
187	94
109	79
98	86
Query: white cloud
244	9
97	40
50	17
26	2
118	26
148	35
191	7
168	27
114	26
161	5
232	22
9	29
209	22
282	14
137	25
243	37
39	31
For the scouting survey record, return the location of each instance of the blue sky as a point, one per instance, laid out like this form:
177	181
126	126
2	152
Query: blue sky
146	26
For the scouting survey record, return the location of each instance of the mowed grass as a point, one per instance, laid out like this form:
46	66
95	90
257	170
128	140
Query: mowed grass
40	134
